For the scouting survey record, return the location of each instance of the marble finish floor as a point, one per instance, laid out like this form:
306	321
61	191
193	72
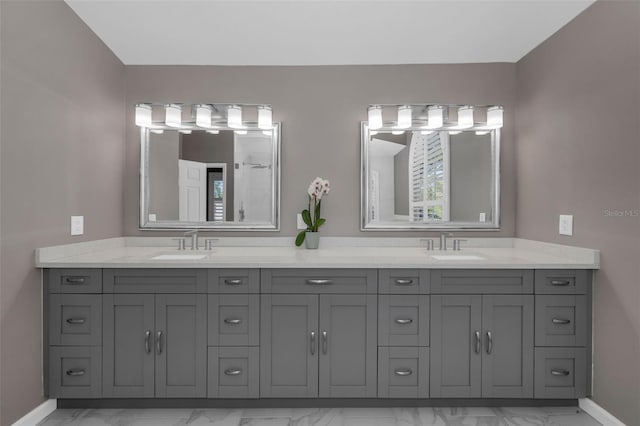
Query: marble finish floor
422	416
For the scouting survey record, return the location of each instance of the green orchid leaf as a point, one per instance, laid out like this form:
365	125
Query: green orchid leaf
306	217
320	222
300	238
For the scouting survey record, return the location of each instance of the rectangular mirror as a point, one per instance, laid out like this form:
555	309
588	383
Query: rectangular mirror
412	179
222	179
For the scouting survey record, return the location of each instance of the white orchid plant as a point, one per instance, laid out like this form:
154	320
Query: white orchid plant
317	189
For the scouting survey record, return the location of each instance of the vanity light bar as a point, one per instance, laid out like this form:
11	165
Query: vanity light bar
204	116
435	117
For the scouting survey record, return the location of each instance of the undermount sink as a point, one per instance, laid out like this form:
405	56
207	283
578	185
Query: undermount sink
457	257
179	257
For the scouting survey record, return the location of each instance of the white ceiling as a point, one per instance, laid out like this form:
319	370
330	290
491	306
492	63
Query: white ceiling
329	32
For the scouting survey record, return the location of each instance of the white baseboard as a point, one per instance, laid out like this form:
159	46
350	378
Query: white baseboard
38	414
599	413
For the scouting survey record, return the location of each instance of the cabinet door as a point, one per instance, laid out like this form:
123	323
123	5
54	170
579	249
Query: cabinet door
128	357
456	357
289	346
181	345
348	346
507	359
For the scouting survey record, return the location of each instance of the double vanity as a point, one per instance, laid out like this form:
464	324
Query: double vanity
126	324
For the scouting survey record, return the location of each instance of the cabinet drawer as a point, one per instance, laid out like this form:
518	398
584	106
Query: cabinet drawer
403	372
74	372
561	321
476	281
234	320
75	319
155	280
233	372
552	281
403	281
560	373
319	281
73	280
234	281
403	320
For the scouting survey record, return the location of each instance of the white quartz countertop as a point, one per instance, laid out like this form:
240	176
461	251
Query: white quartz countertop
138	252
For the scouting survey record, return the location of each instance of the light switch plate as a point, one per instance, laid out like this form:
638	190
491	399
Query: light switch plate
77	225
300	222
483	217
566	224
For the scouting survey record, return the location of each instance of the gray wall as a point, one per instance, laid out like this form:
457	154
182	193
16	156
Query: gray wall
62	154
470	174
320	108
579	153
163	175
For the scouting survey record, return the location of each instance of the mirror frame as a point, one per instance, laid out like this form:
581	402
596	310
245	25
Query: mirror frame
146	225
493	225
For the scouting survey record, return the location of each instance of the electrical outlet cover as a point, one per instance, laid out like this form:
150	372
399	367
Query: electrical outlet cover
77	225
565	226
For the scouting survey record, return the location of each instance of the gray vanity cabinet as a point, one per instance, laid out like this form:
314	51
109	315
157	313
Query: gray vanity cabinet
318	345
154	345
482	346
289	346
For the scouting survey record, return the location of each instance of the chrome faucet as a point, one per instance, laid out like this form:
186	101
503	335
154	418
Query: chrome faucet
194	238
443	239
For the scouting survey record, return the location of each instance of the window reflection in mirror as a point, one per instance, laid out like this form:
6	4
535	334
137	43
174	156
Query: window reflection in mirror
419	179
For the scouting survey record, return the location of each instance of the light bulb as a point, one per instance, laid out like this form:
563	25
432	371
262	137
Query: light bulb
173	115
374	116
234	116
143	115
203	116
265	120
435	115
495	117
404	117
465	117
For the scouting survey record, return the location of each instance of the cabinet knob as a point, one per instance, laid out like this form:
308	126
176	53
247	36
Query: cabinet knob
404	320
403	372
232	321
233	281
403	281
75	280
560	321
556	372
560	283
76	321
319	281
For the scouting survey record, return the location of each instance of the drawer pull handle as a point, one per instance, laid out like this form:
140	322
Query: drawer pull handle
147	341
404	281
319	281
404	320
560	282
234	281
233	372
75	280
489	343
560	321
75	372
232	321
325	342
312	342
555	372
478	341
159	342
403	372
75	321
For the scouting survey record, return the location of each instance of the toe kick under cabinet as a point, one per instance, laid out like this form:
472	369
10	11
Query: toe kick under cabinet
316	333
